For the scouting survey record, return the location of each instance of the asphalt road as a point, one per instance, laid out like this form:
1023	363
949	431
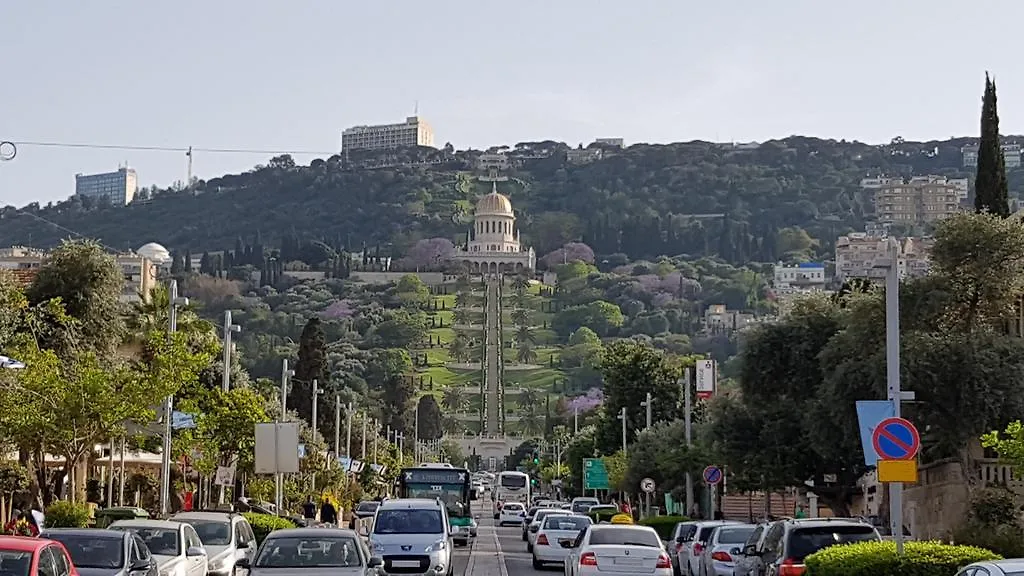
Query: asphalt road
500	550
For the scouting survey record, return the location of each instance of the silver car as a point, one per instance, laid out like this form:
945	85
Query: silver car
724	548
226	536
412	536
312	552
175	546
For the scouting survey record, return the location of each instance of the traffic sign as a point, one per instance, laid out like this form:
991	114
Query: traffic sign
896	439
897	471
712	475
647	485
595	475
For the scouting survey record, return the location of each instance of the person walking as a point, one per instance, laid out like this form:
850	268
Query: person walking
309	509
328	513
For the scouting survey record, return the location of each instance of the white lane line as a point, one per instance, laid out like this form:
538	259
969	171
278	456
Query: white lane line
502	567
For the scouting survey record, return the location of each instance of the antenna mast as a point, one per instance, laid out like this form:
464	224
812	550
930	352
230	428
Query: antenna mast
188	176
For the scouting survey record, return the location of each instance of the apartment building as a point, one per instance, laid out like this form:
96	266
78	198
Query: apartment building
583	155
415	131
859	254
1011	155
961	185
917	200
140	273
613	142
118	187
804	277
718	319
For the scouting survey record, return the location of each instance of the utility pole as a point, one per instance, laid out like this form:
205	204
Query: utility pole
622	416
349	412
416	455
225	383
687	408
376	434
279	477
337	427
165	458
110	475
647	404
316	393
120	474
892	372
362	453
576	420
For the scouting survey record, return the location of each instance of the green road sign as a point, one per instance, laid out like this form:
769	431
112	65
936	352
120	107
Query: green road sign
595	475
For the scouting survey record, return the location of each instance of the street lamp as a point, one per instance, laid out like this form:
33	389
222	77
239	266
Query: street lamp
175	302
279	478
622	416
225	383
647	404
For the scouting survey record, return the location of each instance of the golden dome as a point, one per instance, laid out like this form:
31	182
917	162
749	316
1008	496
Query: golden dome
494	203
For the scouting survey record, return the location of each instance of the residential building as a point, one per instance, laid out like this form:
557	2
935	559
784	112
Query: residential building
1011	155
493	241
613	142
140	273
916	201
970	155
22	262
718	319
915	256
492	165
583	155
804	277
118	188
415	131
961	185
858	255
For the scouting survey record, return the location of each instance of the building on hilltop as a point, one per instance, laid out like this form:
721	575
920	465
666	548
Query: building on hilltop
492	245
859	254
415	131
1011	155
961	185
139	272
918	200
118	188
804	277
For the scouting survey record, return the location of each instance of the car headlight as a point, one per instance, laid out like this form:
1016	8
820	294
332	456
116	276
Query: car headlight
437	546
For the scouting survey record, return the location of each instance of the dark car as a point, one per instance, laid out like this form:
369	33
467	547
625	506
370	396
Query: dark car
363	510
98	552
788	542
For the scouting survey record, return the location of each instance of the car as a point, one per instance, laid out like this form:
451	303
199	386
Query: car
679	542
628	548
23	555
364	509
226	536
101	552
511	513
533	527
555	528
693	548
413	536
1009	567
527	519
749	563
724	548
581	504
175	546
789	542
313	551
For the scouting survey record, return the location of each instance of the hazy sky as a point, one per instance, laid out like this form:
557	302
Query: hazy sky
289	76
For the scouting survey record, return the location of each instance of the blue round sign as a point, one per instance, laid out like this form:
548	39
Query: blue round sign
896	439
712	474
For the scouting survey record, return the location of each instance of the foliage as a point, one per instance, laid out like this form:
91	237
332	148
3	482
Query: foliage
880	559
993	524
661	453
311	365
571	252
429	418
428	254
663	525
990	184
616	464
65	514
631	370
388	371
264	524
225	426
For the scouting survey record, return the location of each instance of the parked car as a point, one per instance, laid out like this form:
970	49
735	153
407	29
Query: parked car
533	527
750	564
313	552
99	552
226	537
788	542
723	548
689	559
175	546
601	548
364	509
30	556
679	543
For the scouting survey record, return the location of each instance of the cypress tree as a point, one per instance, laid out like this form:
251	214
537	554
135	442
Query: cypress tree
990	185
311	364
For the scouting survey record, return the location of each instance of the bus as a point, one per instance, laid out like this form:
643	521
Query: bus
451	485
511	486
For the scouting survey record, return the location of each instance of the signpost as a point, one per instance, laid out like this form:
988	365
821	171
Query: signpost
712	476
595	475
277	450
705	379
648	486
897	443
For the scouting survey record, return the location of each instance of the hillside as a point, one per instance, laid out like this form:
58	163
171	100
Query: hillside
616	204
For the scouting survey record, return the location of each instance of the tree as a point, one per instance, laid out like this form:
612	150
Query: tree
990	184
631	369
524	336
571	252
89	283
661	453
525	354
429	418
454	399
311	365
387	372
411	291
225	425
459	348
429	254
521	317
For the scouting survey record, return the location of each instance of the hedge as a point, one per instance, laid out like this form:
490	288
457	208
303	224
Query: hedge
880	559
663	525
63	514
263	524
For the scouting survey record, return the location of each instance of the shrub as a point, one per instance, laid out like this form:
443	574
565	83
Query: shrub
67	515
663	525
263	524
880	559
992	524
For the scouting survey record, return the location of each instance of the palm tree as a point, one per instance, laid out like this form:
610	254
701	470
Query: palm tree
463	299
521	317
525	354
531	422
461	316
459	348
528	398
525	336
520	283
454	399
520	301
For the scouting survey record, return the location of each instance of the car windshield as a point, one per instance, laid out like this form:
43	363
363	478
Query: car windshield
451	494
512	508
15	562
289	552
403	521
806	541
160	541
624	537
367	507
583	505
735	535
566	522
212	532
88	551
541	514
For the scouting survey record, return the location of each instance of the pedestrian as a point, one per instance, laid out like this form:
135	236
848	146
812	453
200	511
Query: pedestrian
309	509
328	513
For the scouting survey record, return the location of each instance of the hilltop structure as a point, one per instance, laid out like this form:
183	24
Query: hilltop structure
493	245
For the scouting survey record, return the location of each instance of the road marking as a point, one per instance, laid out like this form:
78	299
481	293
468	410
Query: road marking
502	567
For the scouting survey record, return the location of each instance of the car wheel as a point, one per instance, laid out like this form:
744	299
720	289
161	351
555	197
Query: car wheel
537	564
529	549
525	539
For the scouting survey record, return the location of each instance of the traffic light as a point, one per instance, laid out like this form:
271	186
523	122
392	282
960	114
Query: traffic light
536	457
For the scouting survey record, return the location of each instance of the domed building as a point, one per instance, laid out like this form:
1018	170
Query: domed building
493	241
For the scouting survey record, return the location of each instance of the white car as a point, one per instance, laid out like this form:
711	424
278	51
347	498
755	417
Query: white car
555	529
511	513
534	527
175	546
628	549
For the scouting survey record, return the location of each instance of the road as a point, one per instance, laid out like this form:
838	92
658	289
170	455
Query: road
498	550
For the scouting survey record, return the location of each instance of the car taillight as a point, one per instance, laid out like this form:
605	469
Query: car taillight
664	561
542	540
790	567
698	548
721	557
588	559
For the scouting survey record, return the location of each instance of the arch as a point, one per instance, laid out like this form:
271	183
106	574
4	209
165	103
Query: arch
493	268
519	266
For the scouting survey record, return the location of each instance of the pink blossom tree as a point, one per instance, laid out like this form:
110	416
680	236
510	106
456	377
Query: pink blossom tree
429	253
339	310
571	252
586	403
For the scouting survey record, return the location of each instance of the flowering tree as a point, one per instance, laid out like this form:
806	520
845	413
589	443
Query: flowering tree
429	253
571	252
674	284
338	310
587	402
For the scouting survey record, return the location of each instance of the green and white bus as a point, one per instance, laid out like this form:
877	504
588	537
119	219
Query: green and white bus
452	485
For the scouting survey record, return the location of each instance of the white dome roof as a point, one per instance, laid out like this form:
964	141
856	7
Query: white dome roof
155	252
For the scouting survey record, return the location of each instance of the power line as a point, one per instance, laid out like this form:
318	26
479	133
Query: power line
182	149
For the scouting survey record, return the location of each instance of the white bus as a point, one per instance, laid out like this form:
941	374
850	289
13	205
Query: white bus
511	486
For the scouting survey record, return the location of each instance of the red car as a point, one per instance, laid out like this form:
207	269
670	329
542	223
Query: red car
24	556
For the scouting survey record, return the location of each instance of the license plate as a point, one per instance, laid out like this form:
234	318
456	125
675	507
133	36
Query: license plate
405	564
628	561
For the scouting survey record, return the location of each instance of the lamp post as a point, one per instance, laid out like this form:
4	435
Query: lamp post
647	404
279	478
229	328
622	416
175	302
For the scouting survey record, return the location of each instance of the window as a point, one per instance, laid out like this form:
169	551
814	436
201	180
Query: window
625	537
140	548
734	535
310	553
46	567
16	562
806	541
89	551
408	522
566	522
191	538
212	532
160	541
513	481
61	563
754	537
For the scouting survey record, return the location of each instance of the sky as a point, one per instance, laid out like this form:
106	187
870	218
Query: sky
290	76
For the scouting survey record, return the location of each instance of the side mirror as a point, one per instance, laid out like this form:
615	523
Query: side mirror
680	540
749	550
194	551
735	552
375	562
141	566
242	563
535	528
364	529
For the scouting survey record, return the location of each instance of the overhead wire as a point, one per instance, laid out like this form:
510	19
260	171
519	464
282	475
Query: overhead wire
182	149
